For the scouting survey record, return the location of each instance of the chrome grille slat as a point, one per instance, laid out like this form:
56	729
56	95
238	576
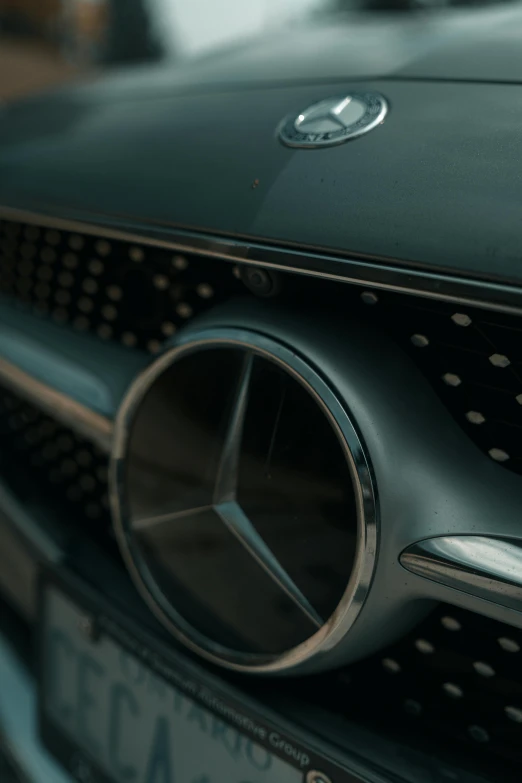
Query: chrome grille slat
82	420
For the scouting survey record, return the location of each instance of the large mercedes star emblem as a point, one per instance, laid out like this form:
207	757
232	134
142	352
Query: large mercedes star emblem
236	502
334	120
227	506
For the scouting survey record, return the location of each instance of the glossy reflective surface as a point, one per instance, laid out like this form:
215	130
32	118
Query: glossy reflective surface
240	501
490	568
334	120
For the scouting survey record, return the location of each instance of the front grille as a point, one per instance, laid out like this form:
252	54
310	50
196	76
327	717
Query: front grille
58	467
141	296
473	359
134	295
457	679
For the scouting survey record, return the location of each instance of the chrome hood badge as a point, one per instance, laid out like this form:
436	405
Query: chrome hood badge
334	120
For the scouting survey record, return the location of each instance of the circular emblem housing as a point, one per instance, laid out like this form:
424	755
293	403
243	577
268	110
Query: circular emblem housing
242	501
334	120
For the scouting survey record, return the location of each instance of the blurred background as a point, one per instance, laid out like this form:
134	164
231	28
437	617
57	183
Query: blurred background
45	42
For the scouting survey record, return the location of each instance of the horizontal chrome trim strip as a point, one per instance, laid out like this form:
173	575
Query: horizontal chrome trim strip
488	568
381	276
91	425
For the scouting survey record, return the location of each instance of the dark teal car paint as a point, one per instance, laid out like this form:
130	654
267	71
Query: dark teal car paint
435	188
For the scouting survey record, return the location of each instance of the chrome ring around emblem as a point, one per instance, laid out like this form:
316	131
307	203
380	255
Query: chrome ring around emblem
334	120
328	632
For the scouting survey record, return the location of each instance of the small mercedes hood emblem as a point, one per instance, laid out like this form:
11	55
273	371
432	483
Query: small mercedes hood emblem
334	120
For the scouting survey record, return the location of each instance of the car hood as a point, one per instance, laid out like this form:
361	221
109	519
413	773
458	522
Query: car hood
436	187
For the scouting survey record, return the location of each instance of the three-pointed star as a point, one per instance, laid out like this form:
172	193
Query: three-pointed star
229	511
329	116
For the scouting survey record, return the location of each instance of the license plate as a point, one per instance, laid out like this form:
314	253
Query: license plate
116	709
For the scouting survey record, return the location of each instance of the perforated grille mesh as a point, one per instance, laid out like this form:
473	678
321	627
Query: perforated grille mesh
472	358
139	297
38	455
456	681
121	292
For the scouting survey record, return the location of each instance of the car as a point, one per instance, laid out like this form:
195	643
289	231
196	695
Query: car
261	404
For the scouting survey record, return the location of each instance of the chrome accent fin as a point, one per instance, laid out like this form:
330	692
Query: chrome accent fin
488	568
